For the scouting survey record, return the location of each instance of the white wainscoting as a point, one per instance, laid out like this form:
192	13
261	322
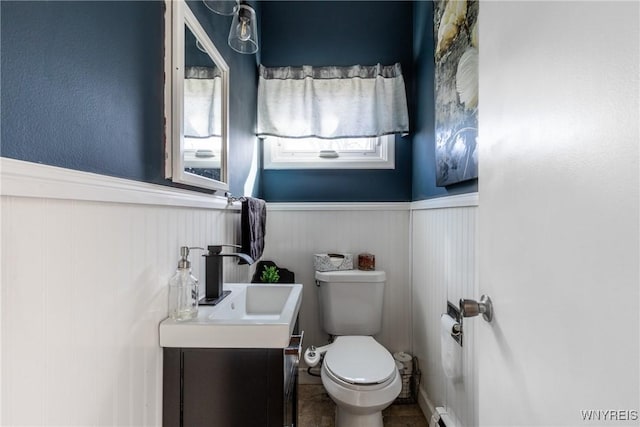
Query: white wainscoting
296	231
84	286
444	268
83	291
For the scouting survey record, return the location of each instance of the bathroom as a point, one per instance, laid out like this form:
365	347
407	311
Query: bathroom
91	228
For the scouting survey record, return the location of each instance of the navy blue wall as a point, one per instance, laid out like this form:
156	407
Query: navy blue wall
82	87
340	33
424	177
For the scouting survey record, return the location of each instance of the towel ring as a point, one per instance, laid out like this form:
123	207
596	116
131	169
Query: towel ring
231	199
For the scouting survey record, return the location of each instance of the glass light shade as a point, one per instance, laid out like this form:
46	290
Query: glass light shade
243	36
222	7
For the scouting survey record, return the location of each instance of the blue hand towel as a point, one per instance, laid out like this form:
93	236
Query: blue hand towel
253	226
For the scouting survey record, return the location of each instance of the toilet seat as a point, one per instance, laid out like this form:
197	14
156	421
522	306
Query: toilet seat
359	361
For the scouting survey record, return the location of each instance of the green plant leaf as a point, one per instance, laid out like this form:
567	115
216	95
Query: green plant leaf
270	275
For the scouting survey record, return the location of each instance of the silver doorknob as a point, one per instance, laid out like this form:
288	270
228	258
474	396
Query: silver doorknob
471	308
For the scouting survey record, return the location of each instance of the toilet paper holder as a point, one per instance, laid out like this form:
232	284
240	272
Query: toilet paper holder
456	330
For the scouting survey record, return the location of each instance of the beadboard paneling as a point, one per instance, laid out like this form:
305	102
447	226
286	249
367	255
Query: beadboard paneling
83	292
293	236
444	268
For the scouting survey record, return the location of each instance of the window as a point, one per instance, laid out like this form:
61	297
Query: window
331	117
317	153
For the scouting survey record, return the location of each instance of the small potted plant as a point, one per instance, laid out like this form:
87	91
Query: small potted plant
270	274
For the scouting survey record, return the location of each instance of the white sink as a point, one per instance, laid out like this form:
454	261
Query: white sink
252	316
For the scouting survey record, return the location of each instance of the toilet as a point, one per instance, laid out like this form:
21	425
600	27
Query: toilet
358	373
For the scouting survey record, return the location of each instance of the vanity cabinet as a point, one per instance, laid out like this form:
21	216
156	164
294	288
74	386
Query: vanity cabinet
231	387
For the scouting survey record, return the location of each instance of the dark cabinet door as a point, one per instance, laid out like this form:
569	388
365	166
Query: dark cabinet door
226	388
223	388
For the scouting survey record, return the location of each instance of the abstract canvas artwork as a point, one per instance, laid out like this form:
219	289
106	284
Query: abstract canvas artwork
456	89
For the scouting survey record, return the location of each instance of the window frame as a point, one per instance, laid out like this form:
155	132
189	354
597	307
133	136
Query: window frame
383	158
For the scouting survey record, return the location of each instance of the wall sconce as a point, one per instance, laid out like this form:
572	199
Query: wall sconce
222	7
243	36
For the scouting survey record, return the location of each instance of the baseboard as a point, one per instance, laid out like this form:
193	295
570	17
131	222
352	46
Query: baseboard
427	408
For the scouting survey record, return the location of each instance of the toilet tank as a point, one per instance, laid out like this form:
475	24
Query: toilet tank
350	301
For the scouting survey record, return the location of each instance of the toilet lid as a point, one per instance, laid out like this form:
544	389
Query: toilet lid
359	360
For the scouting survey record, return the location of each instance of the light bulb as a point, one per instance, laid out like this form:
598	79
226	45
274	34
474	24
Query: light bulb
244	29
243	37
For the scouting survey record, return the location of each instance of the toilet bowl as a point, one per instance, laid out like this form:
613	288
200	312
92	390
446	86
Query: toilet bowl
361	377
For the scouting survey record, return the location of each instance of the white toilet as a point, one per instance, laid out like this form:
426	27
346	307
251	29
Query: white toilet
358	373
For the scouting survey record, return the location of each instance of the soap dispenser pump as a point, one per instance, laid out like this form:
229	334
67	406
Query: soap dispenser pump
183	290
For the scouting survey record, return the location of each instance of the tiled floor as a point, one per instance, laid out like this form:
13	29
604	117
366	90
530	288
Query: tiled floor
316	409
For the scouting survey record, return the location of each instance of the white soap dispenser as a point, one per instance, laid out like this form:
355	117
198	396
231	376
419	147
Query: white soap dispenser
183	290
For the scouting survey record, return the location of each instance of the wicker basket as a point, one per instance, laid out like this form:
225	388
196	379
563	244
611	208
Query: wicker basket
410	385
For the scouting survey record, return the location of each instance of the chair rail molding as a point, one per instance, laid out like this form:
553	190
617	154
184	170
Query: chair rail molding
455	201
339	206
26	179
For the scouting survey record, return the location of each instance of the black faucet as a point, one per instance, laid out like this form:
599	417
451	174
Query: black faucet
213	292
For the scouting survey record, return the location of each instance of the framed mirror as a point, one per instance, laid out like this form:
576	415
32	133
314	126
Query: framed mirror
196	103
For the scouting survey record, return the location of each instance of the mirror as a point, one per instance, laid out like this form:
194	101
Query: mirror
196	103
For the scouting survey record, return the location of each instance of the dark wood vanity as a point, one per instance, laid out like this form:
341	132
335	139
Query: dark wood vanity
231	387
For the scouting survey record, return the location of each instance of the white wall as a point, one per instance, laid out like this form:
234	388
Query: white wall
444	269
83	291
296	231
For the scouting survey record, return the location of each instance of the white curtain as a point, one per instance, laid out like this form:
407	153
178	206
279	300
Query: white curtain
202	102
332	102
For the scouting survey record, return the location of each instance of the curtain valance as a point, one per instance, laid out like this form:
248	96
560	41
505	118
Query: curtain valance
202	102
332	102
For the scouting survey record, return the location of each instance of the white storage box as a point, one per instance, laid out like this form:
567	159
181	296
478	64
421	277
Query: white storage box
333	262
